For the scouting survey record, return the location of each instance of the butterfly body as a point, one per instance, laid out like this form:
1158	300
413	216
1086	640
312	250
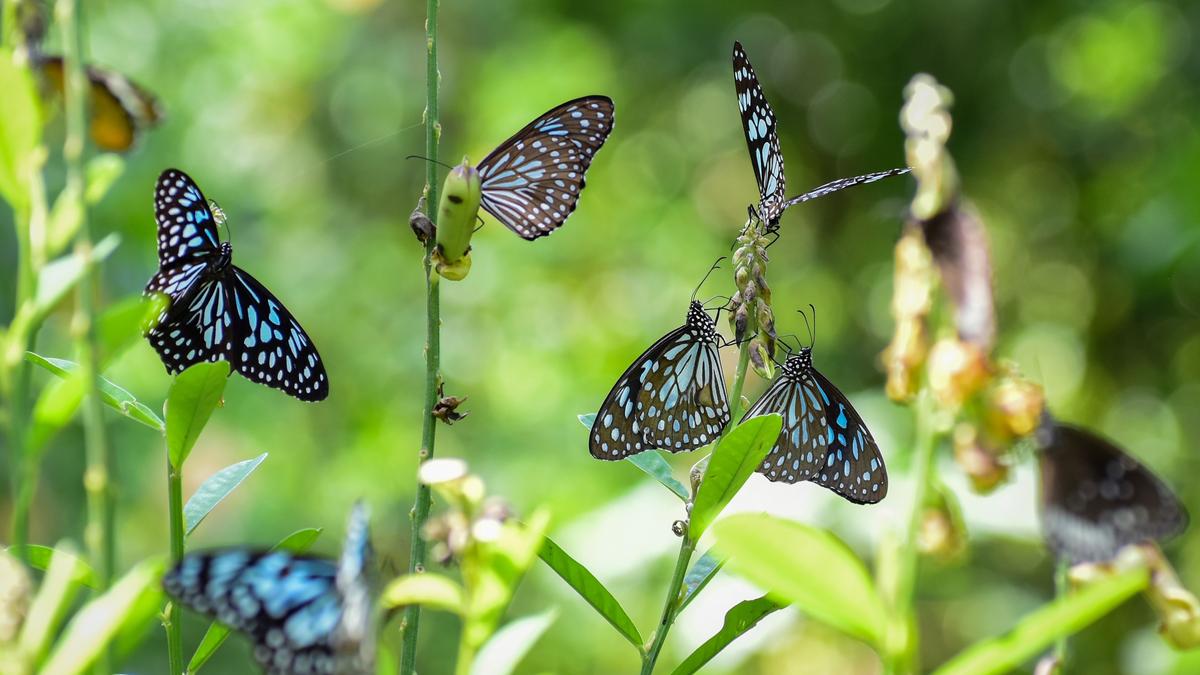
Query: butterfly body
823	439
671	397
217	310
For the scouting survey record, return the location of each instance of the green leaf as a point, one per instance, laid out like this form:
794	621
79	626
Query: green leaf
427	589
20	130
494	572
39	559
59	276
50	605
296	542
217	487
113	395
101	619
1037	631
736	456
702	572
590	589
806	566
741	618
119	327
651	462
191	400
65	216
511	643
587	419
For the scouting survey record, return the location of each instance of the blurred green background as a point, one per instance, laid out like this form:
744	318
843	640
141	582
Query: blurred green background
1075	129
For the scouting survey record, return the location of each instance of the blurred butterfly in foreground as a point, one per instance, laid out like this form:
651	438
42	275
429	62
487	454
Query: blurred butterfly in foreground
119	109
302	613
218	311
671	397
762	140
1096	499
823	439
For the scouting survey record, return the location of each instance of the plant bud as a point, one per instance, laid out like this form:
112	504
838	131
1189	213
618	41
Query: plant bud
741	320
983	467
1016	406
956	370
457	210
760	359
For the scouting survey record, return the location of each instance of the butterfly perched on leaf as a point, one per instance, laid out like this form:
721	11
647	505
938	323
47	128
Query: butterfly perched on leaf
824	439
532	181
303	614
218	311
119	109
762	140
1096	499
671	397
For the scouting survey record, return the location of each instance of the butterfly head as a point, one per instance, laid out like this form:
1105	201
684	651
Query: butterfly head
798	363
699	320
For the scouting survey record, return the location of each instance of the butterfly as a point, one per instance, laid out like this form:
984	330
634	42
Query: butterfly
1096	499
531	183
823	439
119	109
671	397
302	613
762	140
217	310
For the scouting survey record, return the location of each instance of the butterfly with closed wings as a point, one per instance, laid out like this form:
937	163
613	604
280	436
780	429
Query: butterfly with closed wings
762	140
303	614
532	182
671	397
1096	499
823	439
217	310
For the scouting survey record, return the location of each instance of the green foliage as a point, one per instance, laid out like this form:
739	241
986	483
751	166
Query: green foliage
214	489
194	395
702	572
427	589
741	618
651	462
501	654
736	456
60	277
805	566
491	575
38	557
49	607
20	130
56	411
66	215
590	589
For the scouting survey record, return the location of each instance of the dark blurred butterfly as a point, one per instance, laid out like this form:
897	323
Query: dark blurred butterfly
762	140
531	183
302	613
217	310
120	110
1096	499
671	397
823	439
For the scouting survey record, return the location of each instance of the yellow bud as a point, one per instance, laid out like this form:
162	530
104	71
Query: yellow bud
1016	406
956	370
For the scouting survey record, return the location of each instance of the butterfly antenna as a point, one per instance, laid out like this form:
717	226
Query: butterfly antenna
427	159
715	265
814	327
481	223
726	299
812	337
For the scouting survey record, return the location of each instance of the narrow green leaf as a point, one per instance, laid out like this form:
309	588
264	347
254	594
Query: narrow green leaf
113	395
496	570
511	643
702	572
39	559
191	400
427	589
217	487
805	566
653	464
20	130
1035	632
61	275
101	619
741	618
296	542
590	589
119	327
736	456
65	216
50	604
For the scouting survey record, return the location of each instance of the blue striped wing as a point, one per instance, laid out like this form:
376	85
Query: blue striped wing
841	184
762	139
187	230
532	182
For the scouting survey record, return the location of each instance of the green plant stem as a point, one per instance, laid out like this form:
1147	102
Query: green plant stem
175	518
433	321
1061	588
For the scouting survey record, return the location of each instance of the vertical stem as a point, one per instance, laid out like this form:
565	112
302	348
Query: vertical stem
1061	587
420	511
175	517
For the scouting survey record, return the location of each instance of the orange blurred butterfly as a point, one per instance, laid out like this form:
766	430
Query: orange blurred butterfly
120	109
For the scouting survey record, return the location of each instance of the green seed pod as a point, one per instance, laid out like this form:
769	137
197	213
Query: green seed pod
456	213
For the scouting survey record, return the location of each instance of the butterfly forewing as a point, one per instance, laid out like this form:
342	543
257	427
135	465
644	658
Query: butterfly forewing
1096	499
187	230
671	397
841	184
823	438
532	182
762	140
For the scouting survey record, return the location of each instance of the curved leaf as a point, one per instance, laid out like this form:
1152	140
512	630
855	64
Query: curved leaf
736	456
501	654
217	487
590	589
741	618
113	395
38	557
651	462
702	572
20	129
427	589
190	402
51	602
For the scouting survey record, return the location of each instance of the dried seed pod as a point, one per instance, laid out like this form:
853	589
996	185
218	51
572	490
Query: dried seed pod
981	464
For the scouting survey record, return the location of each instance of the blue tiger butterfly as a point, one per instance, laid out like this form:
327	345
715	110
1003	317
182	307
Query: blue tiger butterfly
532	181
762	140
217	310
302	613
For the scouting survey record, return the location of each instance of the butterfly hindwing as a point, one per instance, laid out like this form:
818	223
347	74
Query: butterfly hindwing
762	139
671	397
532	181
1096	499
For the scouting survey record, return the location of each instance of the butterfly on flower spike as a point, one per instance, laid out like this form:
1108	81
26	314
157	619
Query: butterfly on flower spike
762	140
1096	499
218	311
671	397
303	614
823	440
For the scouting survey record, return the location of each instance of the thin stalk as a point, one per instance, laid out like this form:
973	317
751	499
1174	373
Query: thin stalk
175	517
433	322
1061	587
